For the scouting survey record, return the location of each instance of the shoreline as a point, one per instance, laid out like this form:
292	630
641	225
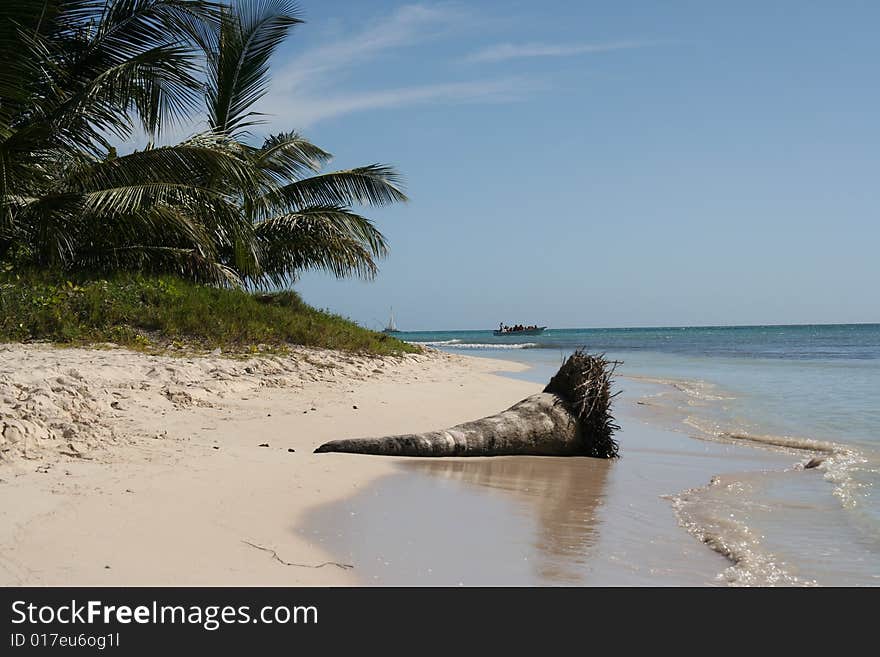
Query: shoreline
540	521
115	479
176	486
720	548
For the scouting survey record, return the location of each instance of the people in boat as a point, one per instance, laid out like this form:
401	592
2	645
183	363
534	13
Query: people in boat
503	328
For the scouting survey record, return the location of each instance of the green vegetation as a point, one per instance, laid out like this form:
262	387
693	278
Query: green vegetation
213	208
157	313
221	208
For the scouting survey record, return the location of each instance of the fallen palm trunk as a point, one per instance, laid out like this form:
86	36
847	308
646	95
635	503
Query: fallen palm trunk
571	417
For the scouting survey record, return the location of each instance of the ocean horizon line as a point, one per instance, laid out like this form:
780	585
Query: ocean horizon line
656	328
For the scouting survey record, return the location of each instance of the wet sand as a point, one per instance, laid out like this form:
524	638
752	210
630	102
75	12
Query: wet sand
537	520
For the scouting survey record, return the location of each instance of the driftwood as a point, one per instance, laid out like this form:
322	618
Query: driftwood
571	417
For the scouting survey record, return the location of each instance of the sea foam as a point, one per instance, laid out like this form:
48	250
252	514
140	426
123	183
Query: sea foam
456	344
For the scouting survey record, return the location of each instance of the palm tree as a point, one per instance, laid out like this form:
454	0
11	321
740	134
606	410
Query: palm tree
301	220
78	73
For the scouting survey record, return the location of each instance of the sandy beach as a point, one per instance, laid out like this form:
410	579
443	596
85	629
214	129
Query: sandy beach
120	468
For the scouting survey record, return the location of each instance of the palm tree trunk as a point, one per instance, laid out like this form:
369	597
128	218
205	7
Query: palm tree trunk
572	417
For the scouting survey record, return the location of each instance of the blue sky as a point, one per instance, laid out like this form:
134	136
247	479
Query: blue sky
601	163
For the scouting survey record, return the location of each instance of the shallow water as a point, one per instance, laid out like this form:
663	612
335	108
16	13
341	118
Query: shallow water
711	490
536	520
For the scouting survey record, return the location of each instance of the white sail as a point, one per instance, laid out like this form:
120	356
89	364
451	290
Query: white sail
392	327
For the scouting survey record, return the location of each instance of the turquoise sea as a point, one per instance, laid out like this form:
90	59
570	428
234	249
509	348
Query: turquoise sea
801	392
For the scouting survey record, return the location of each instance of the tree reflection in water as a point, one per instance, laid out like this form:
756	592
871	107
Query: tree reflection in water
564	495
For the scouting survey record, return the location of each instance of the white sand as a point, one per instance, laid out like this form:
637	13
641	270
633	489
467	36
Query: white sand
118	468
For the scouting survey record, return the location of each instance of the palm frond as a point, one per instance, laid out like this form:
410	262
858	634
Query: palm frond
288	155
17	18
373	185
327	238
238	69
175	196
106	58
199	161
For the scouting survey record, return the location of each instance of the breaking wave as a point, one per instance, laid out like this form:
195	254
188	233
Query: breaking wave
457	344
710	514
435	343
715	513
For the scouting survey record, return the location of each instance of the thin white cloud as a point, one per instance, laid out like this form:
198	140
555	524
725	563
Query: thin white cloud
408	25
302	90
304	112
505	51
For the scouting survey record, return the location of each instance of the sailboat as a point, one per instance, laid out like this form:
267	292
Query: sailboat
392	327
